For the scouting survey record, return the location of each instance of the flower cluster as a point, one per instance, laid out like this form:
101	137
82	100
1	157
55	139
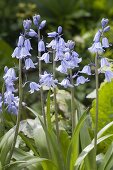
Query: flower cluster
9	99
100	43
62	52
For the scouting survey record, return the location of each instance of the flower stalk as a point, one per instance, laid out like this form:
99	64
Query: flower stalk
55	100
97	102
41	89
19	112
73	119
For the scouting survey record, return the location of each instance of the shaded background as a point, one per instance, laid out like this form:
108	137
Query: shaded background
80	20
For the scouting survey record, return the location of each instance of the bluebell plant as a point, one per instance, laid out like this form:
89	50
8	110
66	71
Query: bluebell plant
100	44
61	52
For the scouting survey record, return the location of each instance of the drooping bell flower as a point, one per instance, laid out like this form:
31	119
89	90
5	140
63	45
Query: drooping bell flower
108	75
34	87
86	70
29	64
41	46
66	83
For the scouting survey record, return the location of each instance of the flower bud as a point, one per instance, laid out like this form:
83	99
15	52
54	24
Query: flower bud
106	29
36	19
42	24
104	22
59	30
27	24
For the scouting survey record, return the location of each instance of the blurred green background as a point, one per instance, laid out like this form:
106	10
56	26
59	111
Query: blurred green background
80	20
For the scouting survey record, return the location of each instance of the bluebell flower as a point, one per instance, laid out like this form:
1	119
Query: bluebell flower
32	33
1	102
9	78
12	109
108	75
97	36
104	22
34	87
104	62
45	57
63	67
27	24
5	69
59	55
66	83
106	29
59	30
70	44
47	80
16	53
105	42
67	55
75	54
52	44
96	47
12	102
42	24
36	19
10	74
27	44
73	62
20	41
29	64
41	46
61	43
24	53
52	34
86	70
81	80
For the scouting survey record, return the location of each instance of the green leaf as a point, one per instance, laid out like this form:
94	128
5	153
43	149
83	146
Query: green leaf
5	145
85	140
72	153
107	157
105	110
64	141
23	164
85	152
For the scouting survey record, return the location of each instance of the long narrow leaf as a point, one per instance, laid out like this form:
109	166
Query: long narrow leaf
88	149
72	153
107	157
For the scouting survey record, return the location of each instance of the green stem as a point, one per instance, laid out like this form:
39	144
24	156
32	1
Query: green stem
96	118
42	97
2	124
55	100
73	119
41	89
19	112
56	115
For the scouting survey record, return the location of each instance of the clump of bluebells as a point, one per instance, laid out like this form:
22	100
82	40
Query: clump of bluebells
64	53
100	43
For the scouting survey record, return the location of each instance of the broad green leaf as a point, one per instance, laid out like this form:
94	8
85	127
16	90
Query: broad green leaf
72	153
20	155
105	110
5	145
85	152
